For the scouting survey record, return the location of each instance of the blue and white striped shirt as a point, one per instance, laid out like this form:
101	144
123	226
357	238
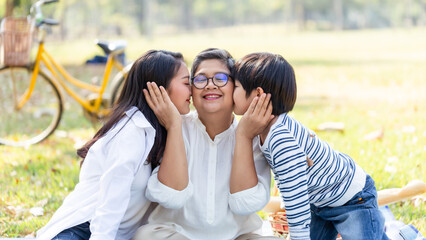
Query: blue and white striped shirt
332	180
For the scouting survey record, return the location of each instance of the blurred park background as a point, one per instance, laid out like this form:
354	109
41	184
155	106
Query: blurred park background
360	64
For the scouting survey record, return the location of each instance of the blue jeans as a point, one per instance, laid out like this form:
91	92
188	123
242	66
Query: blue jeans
79	232
359	218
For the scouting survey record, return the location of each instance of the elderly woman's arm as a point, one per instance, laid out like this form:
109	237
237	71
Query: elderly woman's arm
249	191
173	170
169	183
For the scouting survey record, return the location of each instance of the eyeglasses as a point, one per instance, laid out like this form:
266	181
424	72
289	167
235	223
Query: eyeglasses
219	80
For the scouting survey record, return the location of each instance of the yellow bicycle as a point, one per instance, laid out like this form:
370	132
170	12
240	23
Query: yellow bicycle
31	101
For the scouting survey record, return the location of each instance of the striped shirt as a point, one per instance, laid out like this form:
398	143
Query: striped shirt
332	180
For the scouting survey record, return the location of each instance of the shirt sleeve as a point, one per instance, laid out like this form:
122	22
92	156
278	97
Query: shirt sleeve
254	199
125	152
166	196
289	162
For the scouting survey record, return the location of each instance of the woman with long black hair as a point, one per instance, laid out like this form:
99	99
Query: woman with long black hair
216	191
109	201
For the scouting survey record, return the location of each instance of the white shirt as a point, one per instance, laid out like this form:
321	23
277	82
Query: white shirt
205	209
113	179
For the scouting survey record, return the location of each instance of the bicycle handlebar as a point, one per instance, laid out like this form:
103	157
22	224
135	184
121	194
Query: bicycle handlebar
50	1
39	14
49	21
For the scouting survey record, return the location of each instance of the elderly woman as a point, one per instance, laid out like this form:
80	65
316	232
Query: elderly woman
212	183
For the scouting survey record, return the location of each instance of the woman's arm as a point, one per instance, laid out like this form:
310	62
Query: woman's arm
254	121
167	196
254	199
173	170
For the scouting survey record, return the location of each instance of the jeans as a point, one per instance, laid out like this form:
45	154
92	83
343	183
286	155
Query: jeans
358	219
79	232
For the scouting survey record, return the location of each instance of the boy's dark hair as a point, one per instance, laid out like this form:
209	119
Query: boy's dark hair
213	53
157	66
273	74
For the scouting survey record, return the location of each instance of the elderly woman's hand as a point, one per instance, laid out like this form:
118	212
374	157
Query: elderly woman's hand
257	117
160	103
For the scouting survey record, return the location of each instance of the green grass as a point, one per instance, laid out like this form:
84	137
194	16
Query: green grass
369	80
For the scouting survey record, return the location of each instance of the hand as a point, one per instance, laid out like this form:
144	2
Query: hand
257	117
158	100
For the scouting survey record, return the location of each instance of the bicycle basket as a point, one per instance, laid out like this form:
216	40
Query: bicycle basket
16	37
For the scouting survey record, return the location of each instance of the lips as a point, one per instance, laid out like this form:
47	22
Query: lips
212	96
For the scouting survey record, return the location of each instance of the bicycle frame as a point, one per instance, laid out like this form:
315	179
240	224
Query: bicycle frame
54	68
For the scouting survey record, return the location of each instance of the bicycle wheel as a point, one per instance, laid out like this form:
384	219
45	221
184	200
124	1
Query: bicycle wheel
116	90
40	115
118	83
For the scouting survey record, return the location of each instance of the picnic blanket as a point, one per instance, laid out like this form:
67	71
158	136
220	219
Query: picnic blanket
395	229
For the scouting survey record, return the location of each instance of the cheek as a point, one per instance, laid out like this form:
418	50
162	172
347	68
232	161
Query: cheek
229	90
237	98
196	96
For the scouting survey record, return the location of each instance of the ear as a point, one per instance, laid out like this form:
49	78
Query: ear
259	91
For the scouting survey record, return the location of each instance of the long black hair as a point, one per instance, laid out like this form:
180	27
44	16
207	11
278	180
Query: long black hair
157	66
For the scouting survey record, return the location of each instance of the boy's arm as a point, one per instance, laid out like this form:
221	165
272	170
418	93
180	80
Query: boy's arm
289	163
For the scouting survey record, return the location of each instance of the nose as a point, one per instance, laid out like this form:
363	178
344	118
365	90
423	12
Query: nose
210	84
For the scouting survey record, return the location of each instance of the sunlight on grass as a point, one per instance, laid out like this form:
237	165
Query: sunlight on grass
371	80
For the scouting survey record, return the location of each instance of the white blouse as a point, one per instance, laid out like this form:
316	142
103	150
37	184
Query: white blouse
113	179
205	209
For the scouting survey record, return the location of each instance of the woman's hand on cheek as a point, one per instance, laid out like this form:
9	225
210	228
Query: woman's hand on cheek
257	117
160	103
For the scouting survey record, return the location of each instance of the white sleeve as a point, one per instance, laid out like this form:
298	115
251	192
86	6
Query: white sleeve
166	196
254	199
126	152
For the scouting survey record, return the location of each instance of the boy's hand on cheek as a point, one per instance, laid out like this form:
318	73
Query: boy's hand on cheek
256	118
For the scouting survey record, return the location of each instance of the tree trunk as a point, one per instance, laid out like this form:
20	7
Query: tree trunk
186	14
63	30
143	17
300	15
338	14
9	8
408	14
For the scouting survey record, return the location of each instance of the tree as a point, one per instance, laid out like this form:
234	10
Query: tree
9	8
338	14
186	9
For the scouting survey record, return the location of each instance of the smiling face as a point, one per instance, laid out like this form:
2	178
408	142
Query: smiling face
213	99
241	101
179	90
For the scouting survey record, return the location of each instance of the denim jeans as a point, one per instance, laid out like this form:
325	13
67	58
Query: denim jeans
359	218
79	232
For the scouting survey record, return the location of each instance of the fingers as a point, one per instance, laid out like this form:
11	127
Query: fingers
152	96
268	114
262	105
148	99
252	106
155	93
165	95
265	104
256	110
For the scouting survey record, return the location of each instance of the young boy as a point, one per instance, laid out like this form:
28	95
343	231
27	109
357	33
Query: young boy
324	191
